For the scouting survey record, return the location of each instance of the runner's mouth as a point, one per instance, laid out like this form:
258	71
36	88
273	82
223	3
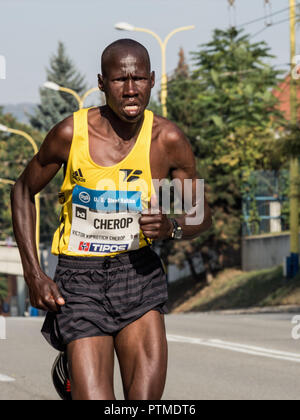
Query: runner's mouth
131	109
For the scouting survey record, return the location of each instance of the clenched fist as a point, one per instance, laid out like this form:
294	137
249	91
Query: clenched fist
155	226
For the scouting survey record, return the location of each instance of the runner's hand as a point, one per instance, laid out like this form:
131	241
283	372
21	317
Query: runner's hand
44	294
155	225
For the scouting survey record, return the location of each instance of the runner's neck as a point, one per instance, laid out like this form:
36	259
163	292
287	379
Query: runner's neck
117	128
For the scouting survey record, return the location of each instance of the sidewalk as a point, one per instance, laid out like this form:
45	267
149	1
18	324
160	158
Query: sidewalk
285	309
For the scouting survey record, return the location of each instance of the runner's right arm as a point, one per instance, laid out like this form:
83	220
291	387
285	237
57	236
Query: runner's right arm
54	152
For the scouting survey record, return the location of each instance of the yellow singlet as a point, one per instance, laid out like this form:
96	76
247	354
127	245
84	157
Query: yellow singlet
102	205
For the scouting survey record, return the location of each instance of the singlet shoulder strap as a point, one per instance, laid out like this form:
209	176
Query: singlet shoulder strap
144	139
80	132
80	124
80	136
149	116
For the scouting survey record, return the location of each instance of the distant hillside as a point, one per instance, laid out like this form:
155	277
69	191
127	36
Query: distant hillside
20	111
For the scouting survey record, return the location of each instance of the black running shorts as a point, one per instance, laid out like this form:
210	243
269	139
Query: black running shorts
104	294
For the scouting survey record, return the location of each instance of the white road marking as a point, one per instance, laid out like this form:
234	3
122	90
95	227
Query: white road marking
237	347
5	378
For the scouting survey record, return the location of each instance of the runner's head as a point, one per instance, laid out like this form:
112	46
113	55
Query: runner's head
126	79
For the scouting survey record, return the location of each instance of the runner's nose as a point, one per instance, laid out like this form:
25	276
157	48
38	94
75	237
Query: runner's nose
130	88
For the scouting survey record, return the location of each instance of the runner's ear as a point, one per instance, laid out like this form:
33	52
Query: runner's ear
100	82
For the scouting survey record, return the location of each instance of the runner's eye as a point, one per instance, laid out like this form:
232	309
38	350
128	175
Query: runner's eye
120	79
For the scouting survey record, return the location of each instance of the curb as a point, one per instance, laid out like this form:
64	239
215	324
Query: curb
288	309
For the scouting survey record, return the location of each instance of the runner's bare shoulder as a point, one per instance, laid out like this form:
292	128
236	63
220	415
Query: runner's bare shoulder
169	136
57	144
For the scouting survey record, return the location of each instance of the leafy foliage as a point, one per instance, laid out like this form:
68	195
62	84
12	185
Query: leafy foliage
15	153
226	108
289	142
55	106
3	288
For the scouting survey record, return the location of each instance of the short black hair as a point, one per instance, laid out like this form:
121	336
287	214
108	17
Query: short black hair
124	44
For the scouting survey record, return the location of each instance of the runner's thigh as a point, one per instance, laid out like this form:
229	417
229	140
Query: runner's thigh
142	352
91	364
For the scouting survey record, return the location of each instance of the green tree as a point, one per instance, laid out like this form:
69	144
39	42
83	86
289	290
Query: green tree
3	289
226	108
155	107
15	154
182	70
55	106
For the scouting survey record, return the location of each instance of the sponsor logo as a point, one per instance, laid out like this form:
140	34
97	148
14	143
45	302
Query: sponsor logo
84	197
84	246
101	248
77	175
130	175
107	201
81	213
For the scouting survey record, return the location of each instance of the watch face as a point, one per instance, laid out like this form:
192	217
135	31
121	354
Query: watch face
178	234
177	230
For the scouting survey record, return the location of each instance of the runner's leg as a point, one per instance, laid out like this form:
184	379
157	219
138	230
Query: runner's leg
142	352
91	365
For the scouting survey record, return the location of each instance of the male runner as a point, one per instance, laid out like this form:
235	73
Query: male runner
109	291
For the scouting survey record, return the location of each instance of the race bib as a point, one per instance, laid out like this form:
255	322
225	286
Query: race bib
104	222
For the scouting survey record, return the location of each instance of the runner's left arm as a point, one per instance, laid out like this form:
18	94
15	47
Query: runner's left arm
182	165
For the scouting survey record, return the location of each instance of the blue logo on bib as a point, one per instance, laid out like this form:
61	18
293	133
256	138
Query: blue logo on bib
84	197
108	201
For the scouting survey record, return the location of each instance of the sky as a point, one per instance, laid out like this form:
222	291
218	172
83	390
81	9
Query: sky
30	31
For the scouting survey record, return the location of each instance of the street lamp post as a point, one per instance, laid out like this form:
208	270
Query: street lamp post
37	197
294	164
163	45
80	100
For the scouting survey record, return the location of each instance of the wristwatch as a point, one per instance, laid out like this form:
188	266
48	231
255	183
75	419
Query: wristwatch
177	230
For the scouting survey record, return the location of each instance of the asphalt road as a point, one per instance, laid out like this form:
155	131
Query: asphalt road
211	357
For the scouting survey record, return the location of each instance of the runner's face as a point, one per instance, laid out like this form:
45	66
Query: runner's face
127	86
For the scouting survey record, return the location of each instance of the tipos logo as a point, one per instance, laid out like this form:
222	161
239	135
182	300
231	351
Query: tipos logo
101	248
130	175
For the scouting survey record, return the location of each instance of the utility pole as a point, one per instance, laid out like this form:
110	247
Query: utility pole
293	264
232	13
